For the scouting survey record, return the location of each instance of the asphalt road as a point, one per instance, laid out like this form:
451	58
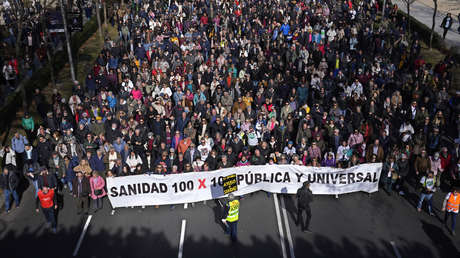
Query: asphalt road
354	225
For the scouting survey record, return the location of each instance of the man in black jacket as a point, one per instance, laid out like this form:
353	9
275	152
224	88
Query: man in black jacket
403	171
304	198
45	178
44	151
446	24
9	182
81	191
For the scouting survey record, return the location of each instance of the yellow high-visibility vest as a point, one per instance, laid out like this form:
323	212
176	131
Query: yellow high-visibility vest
233	211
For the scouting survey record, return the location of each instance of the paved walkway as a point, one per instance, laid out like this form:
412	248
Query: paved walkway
424	14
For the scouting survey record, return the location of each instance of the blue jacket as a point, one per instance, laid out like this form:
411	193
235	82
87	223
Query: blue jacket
140	53
113	63
112	101
302	93
97	164
19	144
69	173
90	83
174	144
285	29
119	147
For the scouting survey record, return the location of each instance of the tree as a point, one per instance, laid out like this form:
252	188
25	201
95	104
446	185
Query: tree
98	17
408	3
19	14
434	22
46	5
67	37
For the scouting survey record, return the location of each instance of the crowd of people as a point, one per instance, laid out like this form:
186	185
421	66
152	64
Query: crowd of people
202	85
34	39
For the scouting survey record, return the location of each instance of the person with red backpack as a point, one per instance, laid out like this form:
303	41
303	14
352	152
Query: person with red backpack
450	206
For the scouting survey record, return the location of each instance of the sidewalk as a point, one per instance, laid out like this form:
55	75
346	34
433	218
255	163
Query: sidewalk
424	14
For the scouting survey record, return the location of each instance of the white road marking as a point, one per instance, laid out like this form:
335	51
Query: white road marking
280	227
185	206
288	229
182	237
398	255
85	228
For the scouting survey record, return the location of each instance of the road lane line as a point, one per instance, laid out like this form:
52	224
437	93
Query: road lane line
288	229
182	237
280	227
85	228
398	255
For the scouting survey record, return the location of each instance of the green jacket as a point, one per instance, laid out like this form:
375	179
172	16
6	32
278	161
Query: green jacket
28	123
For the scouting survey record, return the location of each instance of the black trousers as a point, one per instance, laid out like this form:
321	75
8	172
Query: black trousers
307	210
20	160
82	204
445	32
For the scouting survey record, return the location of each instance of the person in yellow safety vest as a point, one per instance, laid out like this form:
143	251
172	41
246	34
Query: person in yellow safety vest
450	206
232	216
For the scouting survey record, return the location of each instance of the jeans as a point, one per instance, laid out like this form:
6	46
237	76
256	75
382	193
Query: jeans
424	196
300	217
35	183
389	184
7	198
49	216
453	215
69	183
97	203
232	230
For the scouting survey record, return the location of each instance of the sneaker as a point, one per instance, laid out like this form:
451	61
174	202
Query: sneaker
65	186
112	212
401	193
431	214
453	232
54	230
307	231
419	209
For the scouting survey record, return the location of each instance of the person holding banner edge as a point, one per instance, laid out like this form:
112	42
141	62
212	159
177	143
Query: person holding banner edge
304	198
231	220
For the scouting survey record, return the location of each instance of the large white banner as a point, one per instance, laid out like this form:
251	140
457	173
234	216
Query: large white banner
199	186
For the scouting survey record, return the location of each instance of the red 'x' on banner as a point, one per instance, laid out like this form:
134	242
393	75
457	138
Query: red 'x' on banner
202	183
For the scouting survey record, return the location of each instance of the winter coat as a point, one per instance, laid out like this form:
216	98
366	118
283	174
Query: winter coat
85	187
50	178
97	183
10	181
58	171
